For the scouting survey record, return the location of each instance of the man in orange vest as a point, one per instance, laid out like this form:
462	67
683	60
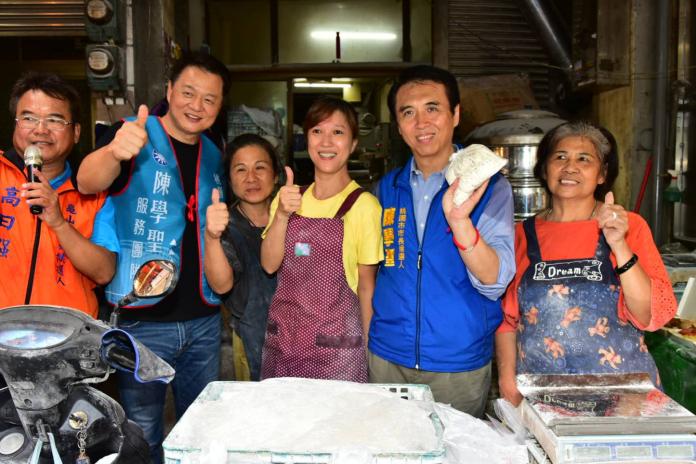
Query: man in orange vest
57	252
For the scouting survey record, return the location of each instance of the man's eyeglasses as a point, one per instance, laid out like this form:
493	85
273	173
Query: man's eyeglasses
52	123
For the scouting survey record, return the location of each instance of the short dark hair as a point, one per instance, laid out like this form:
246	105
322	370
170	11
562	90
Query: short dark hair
246	140
205	62
52	85
324	107
422	73
603	141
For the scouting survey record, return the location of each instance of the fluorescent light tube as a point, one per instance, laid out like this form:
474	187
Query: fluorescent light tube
323	85
376	36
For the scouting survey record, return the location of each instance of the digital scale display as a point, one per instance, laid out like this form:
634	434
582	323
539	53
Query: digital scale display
675	451
637	451
590	452
593	452
31	338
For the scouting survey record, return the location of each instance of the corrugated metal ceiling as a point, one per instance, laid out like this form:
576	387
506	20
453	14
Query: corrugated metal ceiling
488	37
42	18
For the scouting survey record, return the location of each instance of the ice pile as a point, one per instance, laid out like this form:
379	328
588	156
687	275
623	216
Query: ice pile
473	165
301	415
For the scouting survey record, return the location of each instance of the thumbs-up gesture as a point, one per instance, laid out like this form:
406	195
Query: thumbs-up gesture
131	137
216	216
289	196
613	220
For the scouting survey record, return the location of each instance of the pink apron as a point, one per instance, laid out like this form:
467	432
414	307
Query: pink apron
314	326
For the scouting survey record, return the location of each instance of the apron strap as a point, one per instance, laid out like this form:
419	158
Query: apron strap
348	202
603	253
533	250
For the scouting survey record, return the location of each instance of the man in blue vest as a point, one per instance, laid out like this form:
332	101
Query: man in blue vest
437	296
161	173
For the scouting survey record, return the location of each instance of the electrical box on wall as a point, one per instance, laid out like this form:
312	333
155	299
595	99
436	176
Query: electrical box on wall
103	19
601	43
103	66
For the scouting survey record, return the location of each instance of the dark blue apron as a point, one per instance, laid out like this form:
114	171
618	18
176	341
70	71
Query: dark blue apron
568	317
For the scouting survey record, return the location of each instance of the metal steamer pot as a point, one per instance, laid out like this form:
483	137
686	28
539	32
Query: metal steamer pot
515	135
529	197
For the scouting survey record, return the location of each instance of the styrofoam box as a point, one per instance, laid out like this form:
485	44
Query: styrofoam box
175	453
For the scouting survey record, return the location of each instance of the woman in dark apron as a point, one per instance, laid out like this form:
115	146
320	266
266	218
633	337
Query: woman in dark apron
233	248
324	241
581	297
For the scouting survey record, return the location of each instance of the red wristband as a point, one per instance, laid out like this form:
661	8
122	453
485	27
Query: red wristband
462	247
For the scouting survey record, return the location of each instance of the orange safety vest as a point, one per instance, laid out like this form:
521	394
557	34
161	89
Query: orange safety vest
53	279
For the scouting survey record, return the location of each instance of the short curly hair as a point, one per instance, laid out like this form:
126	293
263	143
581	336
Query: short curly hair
603	141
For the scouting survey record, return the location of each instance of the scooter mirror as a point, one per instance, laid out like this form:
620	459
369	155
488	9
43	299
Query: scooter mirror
154	279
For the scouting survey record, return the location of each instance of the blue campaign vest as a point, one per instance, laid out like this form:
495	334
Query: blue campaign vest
434	319
152	210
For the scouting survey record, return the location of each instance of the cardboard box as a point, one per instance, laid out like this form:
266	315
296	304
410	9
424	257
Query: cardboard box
483	98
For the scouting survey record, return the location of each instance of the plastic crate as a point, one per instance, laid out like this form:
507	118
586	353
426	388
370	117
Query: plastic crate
675	358
177	454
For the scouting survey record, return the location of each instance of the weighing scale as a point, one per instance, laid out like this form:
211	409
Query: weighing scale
606	418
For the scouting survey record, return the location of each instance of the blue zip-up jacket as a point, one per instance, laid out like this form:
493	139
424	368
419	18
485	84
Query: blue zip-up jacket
427	314
152	210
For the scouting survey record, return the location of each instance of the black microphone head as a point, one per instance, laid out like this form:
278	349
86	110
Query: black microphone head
32	156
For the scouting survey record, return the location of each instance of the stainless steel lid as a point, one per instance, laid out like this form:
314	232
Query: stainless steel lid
522	127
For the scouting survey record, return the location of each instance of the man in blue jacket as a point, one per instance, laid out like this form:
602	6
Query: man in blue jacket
438	291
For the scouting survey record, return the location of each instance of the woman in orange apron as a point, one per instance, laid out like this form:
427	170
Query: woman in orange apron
589	277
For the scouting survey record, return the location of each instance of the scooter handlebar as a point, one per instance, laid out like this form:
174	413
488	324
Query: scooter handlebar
122	357
122	351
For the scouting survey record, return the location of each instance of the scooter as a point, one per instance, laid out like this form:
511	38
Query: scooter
49	357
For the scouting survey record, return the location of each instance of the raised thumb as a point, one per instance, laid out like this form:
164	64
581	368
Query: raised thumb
609	198
289	176
142	116
215	197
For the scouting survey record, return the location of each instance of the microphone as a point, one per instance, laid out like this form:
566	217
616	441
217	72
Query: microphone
33	160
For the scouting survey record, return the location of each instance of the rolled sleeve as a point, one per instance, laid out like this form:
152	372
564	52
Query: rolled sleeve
104	231
497	228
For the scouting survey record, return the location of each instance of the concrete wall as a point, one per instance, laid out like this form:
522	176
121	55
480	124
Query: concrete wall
628	111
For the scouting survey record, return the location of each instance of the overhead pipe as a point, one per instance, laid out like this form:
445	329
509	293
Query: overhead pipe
660	122
550	34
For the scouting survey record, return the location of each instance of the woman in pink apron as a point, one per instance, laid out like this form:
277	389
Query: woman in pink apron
589	278
324	241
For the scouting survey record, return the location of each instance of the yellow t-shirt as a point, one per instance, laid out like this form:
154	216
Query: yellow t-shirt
362	236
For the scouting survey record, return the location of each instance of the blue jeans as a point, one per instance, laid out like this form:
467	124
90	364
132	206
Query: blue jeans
193	349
